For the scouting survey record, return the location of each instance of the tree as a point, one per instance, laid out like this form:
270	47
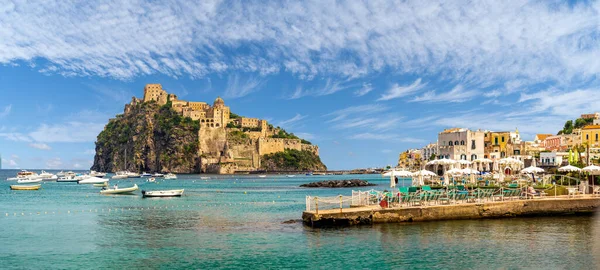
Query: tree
568	128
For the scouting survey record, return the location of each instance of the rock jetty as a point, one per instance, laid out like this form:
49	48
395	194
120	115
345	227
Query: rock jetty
338	184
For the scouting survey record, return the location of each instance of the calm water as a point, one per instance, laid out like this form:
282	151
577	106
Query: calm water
236	222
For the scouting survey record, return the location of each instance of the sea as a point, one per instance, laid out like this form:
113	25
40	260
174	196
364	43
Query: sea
247	222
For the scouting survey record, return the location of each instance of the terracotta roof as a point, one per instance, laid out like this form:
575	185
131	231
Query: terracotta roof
543	136
591	127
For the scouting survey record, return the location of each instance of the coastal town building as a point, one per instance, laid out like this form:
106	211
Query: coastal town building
503	144
461	143
590	136
591	116
553	159
431	150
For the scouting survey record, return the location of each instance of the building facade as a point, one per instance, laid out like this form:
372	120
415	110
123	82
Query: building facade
591	116
590	136
461	143
429	150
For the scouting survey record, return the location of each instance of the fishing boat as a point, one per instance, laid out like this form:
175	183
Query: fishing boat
28	180
170	176
145	174
158	175
92	180
25	187
262	176
119	190
162	193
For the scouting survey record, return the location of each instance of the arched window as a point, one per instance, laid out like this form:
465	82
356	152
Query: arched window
217	125
463	157
450	143
596	136
455	142
473	157
462	142
587	137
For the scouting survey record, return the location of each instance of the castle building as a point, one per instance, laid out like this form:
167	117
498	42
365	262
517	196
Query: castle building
591	116
213	116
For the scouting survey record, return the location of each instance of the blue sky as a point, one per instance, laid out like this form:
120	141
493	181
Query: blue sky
363	80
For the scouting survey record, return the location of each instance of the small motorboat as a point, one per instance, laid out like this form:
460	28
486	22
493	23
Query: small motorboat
158	175
120	175
119	190
29	180
46	175
162	193
262	176
290	175
204	177
105	184
151	180
133	175
67	178
170	176
25	187
92	180
145	174
97	174
51	178
60	174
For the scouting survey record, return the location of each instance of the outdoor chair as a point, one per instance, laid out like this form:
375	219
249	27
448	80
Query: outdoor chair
596	191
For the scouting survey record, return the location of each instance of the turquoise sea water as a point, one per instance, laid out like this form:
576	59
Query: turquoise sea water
237	222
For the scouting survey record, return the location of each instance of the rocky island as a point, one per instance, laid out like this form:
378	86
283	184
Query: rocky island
339	184
161	133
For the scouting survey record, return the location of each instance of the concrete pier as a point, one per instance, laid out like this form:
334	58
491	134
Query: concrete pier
374	214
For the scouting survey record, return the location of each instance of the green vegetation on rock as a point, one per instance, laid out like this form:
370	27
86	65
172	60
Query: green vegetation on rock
285	135
292	160
579	123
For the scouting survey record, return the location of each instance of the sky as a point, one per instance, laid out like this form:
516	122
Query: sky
364	80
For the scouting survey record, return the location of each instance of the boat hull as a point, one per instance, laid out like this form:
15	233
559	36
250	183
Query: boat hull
25	187
24	181
93	180
120	190
162	193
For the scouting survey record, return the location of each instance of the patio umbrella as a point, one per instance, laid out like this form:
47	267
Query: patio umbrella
422	173
569	168
393	174
532	169
593	170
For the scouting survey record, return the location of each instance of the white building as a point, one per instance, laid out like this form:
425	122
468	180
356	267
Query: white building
430	149
461	143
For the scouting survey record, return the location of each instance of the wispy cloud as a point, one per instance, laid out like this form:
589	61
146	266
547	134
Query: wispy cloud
457	94
41	146
6	111
238	86
292	121
398	91
365	89
384	137
54	163
353	110
68	132
15	136
328	87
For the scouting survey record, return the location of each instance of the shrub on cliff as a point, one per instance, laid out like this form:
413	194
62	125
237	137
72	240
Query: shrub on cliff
292	160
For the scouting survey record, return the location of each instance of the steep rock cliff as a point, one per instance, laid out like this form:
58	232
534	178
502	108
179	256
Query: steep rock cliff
150	138
292	160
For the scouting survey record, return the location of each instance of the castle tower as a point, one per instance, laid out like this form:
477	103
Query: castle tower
220	112
154	91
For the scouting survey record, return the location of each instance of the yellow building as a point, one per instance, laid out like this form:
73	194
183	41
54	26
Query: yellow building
590	134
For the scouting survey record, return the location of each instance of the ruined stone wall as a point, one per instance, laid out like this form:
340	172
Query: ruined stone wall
212	141
274	145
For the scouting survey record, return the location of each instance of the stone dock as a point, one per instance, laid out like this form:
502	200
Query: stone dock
367	215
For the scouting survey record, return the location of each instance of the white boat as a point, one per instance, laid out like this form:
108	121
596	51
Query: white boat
60	174
46	175
204	177
162	193
145	174
67	178
151	180
119	190
97	174
105	184
92	180
29	180
158	175
170	176
15	178
291	175
83	176
120	175
262	176
133	175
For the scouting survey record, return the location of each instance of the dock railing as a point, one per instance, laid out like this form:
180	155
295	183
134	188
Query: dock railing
333	202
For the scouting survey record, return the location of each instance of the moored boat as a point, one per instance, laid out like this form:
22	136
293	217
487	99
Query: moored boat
28	180
120	175
92	180
97	174
290	175
60	174
133	175
262	176
162	193
119	190
170	176
105	184
145	174
158	175
67	178
204	177
25	187
46	175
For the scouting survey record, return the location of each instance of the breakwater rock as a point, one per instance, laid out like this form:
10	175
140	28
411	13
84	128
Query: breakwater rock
338	184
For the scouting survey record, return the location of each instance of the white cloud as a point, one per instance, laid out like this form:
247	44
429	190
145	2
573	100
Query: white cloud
54	163
290	122
68	132
366	109
13	163
325	88
563	103
384	137
41	146
457	94
15	136
366	88
6	111
397	91
238	87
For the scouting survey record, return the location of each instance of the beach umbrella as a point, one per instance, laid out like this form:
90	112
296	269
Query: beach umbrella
424	173
532	169
569	168
593	170
455	171
393	174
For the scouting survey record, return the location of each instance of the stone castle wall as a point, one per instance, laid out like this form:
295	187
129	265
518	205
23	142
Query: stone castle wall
273	145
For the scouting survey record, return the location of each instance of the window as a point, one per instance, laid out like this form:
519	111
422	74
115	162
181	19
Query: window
462	142
502	138
502	154
450	143
596	136
473	157
455	142
587	137
473	144
496	140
